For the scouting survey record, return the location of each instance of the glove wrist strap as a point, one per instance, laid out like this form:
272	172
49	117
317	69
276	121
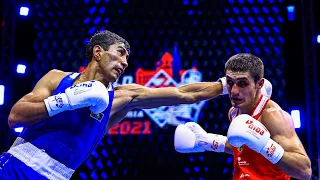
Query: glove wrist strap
56	104
223	81
216	142
272	151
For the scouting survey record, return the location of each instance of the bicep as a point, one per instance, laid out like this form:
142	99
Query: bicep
131	96
44	87
122	97
289	143
117	117
282	131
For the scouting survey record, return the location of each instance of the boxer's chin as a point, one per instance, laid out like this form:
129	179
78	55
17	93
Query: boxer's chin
237	104
113	76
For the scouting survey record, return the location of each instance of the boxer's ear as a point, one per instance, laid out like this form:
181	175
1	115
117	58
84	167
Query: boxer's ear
260	83
97	52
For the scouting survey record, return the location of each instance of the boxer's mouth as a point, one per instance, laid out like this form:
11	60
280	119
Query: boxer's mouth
235	99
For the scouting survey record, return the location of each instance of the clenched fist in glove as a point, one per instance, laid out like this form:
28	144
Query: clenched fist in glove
190	137
91	94
245	130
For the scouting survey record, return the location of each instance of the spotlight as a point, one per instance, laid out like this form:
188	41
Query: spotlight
18	129
24	11
290	10
295	114
2	88
21	68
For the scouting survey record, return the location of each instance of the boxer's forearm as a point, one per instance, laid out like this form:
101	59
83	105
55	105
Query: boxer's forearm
25	114
202	90
143	98
228	148
295	165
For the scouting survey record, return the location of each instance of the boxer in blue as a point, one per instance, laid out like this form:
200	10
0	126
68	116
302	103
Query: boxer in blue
67	114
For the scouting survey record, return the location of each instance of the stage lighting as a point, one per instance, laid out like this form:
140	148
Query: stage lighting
318	38
2	88
24	11
21	69
290	10
295	114
18	129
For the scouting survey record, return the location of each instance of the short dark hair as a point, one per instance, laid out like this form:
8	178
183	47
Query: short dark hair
245	62
104	39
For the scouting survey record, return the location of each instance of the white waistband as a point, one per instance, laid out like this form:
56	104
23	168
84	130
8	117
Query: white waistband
39	160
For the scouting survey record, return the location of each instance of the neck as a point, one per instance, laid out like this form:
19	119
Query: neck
248	109
92	72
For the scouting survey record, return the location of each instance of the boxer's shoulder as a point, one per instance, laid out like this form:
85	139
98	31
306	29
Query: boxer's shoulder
56	74
271	107
273	114
54	77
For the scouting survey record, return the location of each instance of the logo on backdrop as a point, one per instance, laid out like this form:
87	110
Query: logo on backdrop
168	73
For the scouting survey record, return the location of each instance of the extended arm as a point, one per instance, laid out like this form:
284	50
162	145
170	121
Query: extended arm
133	96
144	97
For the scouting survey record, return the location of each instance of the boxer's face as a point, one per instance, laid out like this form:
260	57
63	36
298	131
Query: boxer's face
241	87
114	61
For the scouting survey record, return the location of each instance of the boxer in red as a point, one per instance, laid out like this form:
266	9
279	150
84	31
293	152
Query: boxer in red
261	135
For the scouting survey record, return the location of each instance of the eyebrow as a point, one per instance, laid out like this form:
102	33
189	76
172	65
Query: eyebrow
242	78
121	47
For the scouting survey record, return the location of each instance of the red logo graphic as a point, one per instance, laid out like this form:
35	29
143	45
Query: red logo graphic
167	73
163	79
249	122
271	150
215	145
255	128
